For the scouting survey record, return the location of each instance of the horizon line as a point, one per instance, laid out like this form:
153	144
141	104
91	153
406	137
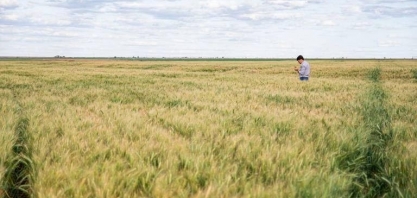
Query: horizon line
201	57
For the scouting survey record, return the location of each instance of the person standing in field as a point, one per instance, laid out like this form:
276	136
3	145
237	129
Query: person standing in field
304	70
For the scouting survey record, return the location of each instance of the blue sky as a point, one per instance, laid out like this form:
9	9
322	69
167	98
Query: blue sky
209	28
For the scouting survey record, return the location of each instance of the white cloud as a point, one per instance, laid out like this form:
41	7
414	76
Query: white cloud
388	43
352	9
9	17
361	25
327	23
50	21
291	4
386	10
208	28
215	4
8	3
140	43
268	16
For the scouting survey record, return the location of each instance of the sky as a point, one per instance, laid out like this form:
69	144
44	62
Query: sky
209	28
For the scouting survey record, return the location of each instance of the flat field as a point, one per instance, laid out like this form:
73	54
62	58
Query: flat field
130	128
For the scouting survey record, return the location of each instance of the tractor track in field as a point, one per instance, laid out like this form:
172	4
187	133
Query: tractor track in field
18	179
369	158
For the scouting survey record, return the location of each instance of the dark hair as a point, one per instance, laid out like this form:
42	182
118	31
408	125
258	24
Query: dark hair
300	57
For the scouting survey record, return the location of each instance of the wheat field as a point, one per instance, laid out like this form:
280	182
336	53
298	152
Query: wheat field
207	128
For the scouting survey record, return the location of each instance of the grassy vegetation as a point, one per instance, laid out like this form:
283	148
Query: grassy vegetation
414	71
120	128
19	175
369	158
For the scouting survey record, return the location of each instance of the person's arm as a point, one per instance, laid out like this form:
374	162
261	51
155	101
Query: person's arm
302	70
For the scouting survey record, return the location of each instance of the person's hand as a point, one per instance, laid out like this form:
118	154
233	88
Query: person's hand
296	69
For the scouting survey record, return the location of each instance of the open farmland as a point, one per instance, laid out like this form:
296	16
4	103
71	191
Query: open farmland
124	128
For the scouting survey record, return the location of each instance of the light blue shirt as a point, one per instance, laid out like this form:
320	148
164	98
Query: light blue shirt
304	69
